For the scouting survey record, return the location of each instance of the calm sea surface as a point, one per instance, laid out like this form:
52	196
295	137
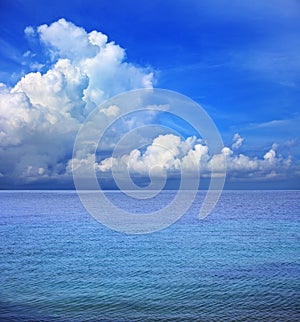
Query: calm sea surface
241	263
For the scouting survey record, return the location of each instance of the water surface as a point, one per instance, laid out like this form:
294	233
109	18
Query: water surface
241	263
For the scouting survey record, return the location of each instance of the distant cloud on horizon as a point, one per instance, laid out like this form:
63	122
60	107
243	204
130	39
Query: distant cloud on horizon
41	114
170	154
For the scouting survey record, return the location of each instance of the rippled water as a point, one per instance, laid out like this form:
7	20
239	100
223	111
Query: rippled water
239	264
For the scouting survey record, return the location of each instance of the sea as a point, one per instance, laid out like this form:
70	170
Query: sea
241	263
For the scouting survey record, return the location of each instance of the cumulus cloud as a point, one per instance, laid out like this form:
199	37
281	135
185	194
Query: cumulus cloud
41	114
167	152
237	141
29	31
172	154
102	61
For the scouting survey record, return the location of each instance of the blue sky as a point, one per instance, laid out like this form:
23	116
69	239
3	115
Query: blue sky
239	59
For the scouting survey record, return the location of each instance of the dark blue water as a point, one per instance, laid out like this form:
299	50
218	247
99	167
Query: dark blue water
239	264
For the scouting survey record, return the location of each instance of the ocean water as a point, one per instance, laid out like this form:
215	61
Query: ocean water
241	263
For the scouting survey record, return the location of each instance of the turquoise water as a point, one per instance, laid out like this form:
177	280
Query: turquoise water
239	264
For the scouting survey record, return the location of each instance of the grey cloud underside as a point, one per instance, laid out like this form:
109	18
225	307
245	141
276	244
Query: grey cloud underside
41	115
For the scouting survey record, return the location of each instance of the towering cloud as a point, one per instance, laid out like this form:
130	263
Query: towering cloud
41	114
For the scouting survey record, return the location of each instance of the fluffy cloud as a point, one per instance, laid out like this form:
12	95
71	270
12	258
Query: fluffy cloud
167	152
41	114
172	154
237	141
102	61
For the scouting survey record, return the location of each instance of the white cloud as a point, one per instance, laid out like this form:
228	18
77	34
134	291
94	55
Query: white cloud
60	89
237	141
29	31
112	110
67	40
102	61
165	152
270	156
41	114
173	154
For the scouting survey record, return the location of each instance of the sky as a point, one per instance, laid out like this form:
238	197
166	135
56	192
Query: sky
60	60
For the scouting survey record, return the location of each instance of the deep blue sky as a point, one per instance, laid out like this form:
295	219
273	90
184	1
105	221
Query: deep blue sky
239	59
